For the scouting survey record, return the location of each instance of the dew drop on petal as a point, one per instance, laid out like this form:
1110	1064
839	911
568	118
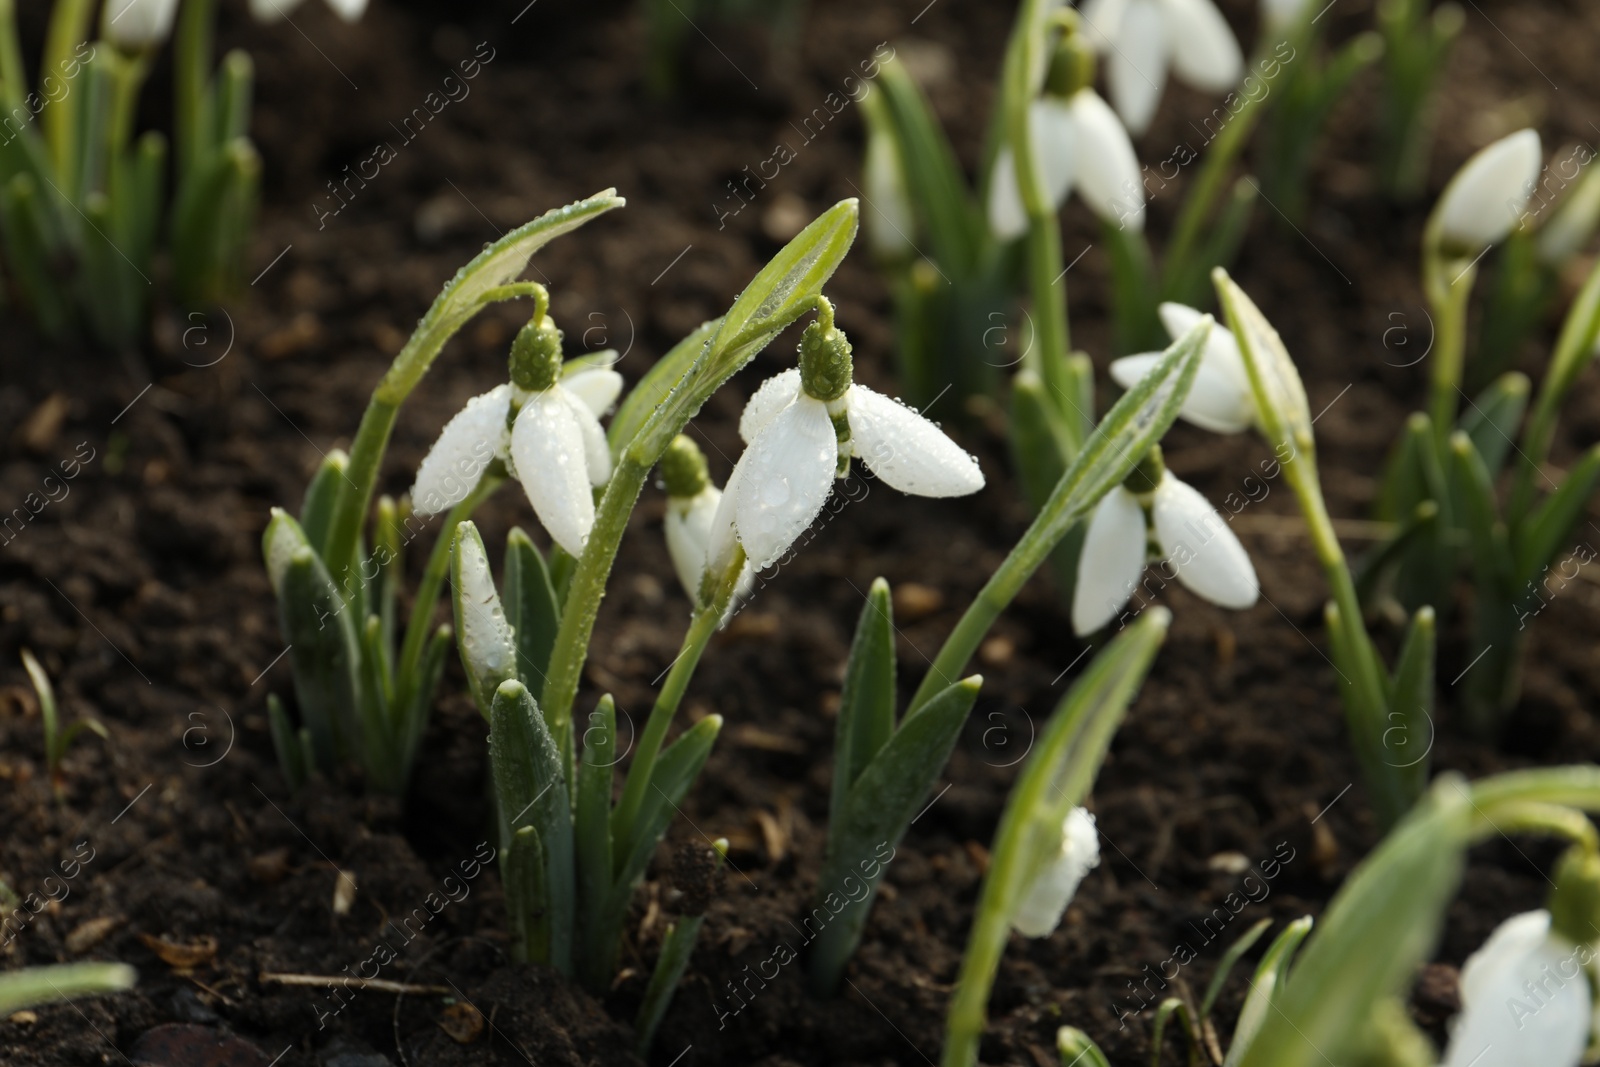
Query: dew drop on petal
776	492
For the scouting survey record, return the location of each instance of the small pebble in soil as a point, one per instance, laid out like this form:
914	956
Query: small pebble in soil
1229	862
913	601
997	651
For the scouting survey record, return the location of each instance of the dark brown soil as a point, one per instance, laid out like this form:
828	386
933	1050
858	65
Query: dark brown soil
142	590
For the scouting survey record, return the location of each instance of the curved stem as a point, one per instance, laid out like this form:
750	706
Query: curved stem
192	50
69	25
1449	297
707	618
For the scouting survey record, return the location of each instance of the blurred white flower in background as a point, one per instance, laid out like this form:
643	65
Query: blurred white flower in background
1141	38
1486	199
273	10
1078	143
135	24
1221	400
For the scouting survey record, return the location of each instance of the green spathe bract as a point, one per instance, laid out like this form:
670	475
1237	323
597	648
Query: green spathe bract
33	986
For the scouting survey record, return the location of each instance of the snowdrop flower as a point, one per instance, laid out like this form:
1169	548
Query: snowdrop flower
1078	143
1525	999
1221	400
273	10
133	25
889	219
692	503
1140	37
1182	529
1488	195
1279	15
544	425
1045	900
802	426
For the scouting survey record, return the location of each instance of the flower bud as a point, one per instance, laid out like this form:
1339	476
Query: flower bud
134	25
1488	195
683	468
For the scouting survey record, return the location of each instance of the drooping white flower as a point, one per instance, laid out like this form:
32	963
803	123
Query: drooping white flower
273	10
1139	38
802	426
1488	195
692	502
1525	999
1221	400
1183	530
550	437
1045	900
1078	143
889	220
136	24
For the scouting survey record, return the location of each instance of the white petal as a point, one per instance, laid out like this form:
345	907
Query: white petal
775	394
1202	549
1279	15
1204	51
907	451
1039	911
787	477
136	24
688	529
1111	561
272	10
723	535
1138	64
1107	173
1008	217
466	445
547	447
597	387
1524	1000
349	10
596	451
1053	136
1490	192
1100	19
1218	402
1178	318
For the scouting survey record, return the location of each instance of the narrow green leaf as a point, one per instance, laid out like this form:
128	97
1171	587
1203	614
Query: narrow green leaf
934	180
596	768
483	632
1076	1050
322	498
875	814
642	400
378	733
48	714
1271	974
1408	734
1041	447
1158	1028
324	651
527	892
286	742
1539	536
675	771
1225	965
417	699
676	948
32	987
531	609
1473	492
1380	926
1139	419
531	790
867	702
1492	419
